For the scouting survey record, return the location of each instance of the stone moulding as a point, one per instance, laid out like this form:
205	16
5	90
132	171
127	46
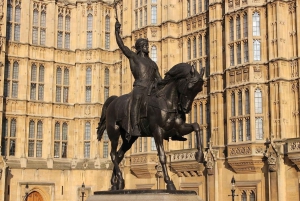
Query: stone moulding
292	149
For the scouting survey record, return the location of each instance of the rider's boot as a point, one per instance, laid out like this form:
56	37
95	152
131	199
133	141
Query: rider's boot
178	138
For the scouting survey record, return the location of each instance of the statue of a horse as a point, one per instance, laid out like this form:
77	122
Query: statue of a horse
164	117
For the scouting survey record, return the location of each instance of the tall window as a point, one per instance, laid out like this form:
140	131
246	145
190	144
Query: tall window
195	114
11	79
240	130
194	48
200	46
145	16
240	106
188	7
153	14
189	49
37	82
140	144
107	32
244	196
136	20
258	101
199	6
60	140
207	113
106	84
194	7
232	55
63	32
252	196
39	25
154	53
89	37
259	128
233	131
248	134
232	104
238	27
231	30
141	17
62	85
201	113
245	25
256	50
87	140
238	52
105	144
13	20
35	139
9	137
153	145
246	52
43	28
247	102
145	144
88	85
256	24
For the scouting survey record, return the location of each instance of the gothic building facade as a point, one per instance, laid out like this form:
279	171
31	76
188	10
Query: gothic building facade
60	62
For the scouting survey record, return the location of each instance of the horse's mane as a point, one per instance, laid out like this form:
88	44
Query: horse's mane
179	71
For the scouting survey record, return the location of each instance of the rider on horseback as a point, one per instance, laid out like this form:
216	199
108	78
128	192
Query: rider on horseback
145	73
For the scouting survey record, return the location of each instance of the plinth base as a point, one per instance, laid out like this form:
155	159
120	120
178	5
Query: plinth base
144	195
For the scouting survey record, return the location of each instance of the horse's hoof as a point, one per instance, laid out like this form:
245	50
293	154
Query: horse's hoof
121	184
171	186
113	188
199	156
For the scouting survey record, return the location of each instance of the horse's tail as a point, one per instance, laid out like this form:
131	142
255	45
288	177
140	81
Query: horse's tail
102	123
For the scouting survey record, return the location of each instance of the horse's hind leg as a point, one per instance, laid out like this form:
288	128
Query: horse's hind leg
117	180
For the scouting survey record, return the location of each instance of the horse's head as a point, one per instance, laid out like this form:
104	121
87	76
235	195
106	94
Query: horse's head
188	88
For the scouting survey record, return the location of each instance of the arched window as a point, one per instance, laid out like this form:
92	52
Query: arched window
60	31
67	31
17	23
252	196
31	129
194	7
15	76
89	30
238	27
238	53
258	101
107	32
246	52
244	196
231	55
33	72
256	24
66	86
35	27
154	53
189	49
31	139
58	84
33	82
256	50
245	25
153	14
64	140
231	30
153	145
43	28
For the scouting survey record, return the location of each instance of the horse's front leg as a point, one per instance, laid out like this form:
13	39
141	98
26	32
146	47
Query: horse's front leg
184	129
158	135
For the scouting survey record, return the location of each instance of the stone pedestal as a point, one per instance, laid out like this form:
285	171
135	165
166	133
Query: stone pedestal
144	195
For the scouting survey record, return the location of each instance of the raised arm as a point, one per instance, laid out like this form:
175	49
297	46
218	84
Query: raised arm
126	51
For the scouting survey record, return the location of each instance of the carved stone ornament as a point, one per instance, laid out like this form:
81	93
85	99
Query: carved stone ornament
271	155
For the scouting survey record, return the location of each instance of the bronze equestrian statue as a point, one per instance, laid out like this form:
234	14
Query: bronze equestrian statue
163	113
